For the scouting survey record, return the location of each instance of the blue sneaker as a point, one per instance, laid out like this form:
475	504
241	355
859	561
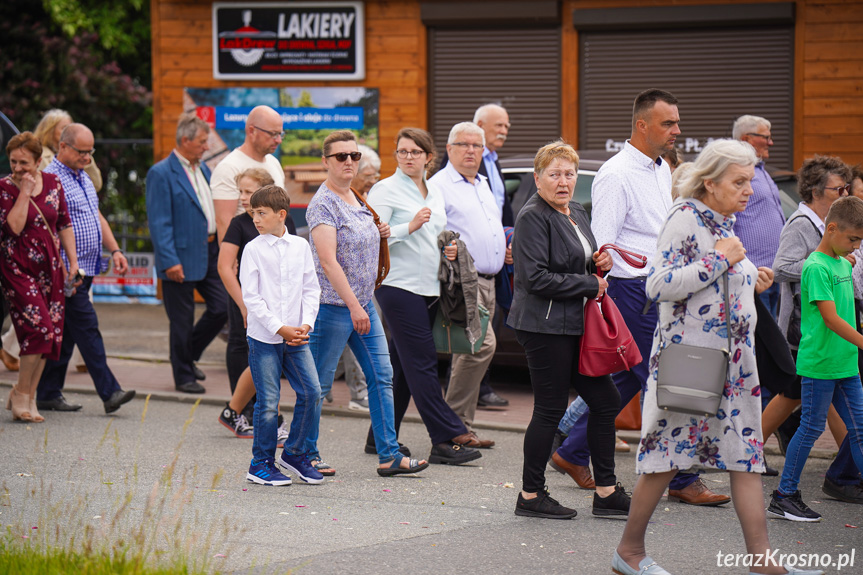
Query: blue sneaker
266	473
300	465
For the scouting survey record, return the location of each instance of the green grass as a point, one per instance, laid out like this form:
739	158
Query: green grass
18	558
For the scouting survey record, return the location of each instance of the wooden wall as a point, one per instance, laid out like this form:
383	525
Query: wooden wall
828	97
395	63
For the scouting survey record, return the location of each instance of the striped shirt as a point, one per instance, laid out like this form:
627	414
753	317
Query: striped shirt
759	225
84	211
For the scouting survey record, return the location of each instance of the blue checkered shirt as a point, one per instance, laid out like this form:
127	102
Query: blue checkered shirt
83	206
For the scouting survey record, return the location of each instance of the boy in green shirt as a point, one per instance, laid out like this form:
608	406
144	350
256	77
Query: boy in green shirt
827	357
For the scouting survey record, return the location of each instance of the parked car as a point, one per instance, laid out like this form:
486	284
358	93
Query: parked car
7	132
520	185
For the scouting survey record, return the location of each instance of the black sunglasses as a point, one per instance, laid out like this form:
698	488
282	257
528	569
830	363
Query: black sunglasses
343	156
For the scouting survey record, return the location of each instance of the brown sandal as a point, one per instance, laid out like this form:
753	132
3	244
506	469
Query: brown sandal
19	404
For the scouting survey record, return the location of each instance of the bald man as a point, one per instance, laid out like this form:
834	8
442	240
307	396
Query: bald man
263	136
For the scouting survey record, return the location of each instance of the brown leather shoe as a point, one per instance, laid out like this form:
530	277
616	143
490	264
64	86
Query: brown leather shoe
470	439
579	473
11	363
698	494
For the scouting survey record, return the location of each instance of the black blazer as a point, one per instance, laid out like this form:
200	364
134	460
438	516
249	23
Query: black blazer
550	284
506	218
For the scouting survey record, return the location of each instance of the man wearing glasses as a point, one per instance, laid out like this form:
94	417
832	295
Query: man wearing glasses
473	211
760	224
264	132
92	233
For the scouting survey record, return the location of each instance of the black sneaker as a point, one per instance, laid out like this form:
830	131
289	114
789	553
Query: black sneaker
791	507
452	454
237	423
615	506
544	506
852	493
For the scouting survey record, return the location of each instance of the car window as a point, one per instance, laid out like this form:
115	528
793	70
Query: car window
520	186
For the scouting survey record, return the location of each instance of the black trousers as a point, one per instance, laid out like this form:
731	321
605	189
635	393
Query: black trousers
412	352
81	328
188	339
553	363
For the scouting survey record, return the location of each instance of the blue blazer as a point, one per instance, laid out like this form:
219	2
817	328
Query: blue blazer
178	226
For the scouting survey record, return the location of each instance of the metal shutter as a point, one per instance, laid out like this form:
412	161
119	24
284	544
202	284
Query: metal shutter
717	74
516	68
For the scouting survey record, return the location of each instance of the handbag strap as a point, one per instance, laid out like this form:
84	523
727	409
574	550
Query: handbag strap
47	225
362	202
631	258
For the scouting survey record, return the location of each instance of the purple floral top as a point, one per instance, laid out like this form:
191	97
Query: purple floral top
357	244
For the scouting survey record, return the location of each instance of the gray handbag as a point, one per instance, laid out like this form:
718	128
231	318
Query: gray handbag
691	379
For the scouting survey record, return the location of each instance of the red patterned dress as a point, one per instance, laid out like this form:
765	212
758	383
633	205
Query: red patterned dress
32	271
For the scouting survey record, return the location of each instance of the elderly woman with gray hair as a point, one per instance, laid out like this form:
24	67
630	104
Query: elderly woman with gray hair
695	249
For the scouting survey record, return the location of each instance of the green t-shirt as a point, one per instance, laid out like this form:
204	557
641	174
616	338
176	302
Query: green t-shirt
822	353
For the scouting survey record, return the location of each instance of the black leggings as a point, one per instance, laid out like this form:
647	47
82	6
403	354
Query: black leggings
553	363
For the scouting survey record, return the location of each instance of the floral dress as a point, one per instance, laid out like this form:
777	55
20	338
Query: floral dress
32	277
686	280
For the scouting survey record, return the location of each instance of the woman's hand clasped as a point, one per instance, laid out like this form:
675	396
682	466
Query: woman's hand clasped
603	261
765	279
732	248
420	218
603	285
384	230
451	251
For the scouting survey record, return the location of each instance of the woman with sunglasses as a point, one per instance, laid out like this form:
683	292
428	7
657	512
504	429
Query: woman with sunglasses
345	246
409	294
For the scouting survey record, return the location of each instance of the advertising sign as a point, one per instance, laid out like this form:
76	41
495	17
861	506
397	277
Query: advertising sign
139	281
288	41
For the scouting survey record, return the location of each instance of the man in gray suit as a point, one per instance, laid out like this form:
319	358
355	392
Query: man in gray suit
183	229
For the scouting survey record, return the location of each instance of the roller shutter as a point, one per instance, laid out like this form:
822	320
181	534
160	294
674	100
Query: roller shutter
517	68
718	74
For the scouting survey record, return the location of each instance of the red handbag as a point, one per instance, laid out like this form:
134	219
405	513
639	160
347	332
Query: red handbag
607	345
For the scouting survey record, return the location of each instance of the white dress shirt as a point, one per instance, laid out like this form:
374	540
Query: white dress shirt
472	211
414	258
631	198
202	190
280	286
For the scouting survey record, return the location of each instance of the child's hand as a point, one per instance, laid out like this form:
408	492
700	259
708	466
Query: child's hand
765	279
852	258
295	336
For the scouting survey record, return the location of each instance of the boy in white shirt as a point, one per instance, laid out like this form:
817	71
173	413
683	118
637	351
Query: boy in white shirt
281	291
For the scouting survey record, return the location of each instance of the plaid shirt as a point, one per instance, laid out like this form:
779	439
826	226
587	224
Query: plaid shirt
84	211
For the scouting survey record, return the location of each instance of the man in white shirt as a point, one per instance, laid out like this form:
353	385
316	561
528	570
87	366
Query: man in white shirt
264	132
631	198
473	212
182	224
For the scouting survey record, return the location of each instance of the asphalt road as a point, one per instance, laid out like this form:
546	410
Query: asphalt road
177	477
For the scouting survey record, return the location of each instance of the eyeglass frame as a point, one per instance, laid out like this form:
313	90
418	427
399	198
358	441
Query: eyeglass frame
403	154
270	133
768	137
358	155
466	145
839	189
91	152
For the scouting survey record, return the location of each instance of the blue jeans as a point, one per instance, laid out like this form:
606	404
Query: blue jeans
770	299
334	329
267	362
576	409
846	395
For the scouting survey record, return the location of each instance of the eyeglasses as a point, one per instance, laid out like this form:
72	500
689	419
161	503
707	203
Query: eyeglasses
839	189
767	137
343	156
82	152
275	135
412	153
467	146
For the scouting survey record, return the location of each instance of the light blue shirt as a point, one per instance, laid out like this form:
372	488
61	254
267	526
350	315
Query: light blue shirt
494	182
471	210
414	258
